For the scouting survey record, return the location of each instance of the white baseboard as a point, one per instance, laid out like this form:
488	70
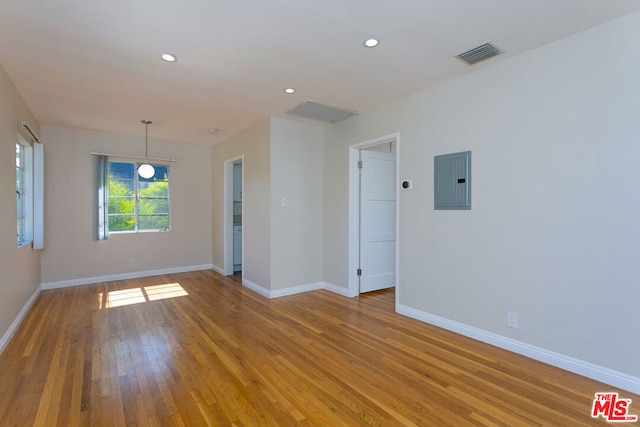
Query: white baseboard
337	289
123	276
256	288
580	367
292	290
267	293
295	290
19	318
217	269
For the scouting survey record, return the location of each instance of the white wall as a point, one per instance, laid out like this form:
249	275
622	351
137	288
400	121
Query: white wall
71	253
282	247
19	267
254	144
553	233
297	159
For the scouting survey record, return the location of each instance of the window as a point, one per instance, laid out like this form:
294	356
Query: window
134	203
24	192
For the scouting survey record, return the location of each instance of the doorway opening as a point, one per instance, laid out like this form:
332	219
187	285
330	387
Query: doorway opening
233	259
373	214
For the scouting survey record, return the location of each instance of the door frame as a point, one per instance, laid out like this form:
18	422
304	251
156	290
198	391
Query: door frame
354	210
228	213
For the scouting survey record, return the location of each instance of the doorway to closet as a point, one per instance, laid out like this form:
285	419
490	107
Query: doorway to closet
233	264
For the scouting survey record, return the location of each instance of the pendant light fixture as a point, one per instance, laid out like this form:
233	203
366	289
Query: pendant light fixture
145	170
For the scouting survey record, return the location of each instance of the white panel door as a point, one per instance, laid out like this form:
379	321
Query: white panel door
377	220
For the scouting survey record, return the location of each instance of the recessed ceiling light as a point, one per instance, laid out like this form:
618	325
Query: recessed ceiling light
169	57
213	130
289	90
371	42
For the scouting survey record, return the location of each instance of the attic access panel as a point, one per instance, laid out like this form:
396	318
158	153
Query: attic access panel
452	181
321	112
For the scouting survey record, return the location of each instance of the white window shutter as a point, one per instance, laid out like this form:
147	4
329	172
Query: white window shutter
38	195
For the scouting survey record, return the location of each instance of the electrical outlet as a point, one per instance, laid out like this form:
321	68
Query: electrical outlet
132	262
512	319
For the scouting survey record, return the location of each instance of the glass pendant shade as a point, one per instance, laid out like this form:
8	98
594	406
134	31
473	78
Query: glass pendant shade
146	170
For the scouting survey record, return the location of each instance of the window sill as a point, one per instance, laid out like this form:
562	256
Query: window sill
111	233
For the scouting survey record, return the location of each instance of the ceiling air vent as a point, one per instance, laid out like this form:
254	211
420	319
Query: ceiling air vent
479	53
321	112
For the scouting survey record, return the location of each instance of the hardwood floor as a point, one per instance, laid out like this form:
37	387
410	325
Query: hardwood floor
209	352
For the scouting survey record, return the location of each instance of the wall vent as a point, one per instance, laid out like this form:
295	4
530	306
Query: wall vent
321	112
479	54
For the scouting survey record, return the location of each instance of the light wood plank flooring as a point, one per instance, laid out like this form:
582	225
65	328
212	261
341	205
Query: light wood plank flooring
209	352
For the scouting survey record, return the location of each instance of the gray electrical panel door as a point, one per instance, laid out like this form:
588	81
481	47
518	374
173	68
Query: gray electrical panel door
452	181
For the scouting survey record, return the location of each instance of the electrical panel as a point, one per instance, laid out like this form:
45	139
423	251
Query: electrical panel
452	181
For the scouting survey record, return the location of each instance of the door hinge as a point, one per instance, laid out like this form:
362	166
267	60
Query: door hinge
359	272
359	164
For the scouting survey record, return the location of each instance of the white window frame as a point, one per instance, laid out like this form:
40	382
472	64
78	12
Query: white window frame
136	186
24	191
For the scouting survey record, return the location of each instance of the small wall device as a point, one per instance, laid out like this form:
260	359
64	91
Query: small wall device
407	184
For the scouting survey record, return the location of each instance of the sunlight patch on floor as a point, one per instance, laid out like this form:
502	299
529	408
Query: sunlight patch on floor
124	297
169	290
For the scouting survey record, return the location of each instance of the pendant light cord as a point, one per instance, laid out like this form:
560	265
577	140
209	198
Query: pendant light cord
146	142
146	139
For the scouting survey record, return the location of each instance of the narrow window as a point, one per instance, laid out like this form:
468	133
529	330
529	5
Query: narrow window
24	192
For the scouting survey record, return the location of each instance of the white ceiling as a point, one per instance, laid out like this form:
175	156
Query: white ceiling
95	64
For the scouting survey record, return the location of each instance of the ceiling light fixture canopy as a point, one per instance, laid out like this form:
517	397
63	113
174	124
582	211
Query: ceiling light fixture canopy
145	170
